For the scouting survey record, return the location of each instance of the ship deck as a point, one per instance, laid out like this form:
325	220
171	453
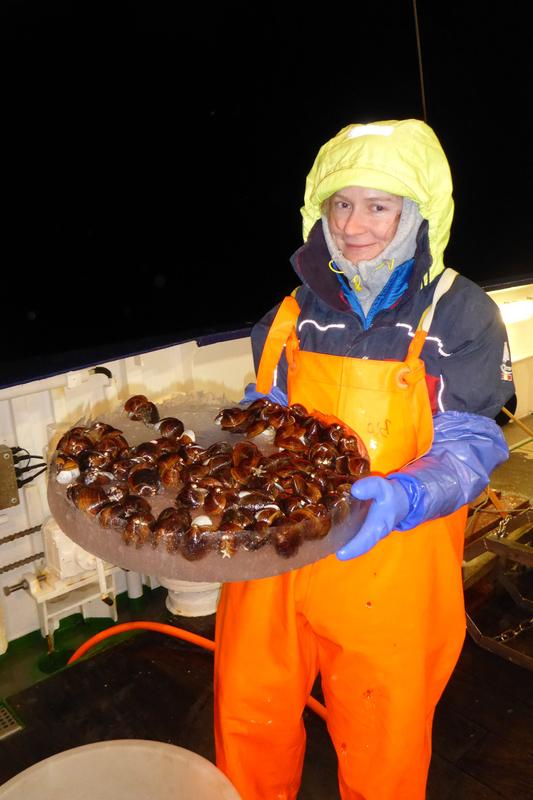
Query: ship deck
150	686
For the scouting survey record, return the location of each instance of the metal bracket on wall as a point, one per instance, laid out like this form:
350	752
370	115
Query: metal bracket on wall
9	495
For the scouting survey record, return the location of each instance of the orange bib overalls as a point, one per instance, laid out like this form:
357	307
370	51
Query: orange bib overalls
385	630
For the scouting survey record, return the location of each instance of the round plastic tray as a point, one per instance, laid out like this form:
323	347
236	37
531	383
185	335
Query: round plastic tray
197	413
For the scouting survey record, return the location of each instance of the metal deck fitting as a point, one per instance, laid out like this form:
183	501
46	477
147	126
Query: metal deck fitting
8	723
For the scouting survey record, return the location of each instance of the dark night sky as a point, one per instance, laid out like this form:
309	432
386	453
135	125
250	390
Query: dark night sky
154	167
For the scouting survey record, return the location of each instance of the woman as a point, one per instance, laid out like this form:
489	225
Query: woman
411	356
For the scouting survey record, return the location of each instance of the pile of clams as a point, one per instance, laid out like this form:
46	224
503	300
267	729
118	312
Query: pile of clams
290	487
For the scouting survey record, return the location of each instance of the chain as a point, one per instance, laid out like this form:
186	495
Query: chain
21	563
20	534
501	531
512	633
527	624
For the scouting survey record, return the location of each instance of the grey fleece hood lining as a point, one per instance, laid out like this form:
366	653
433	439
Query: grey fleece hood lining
371	276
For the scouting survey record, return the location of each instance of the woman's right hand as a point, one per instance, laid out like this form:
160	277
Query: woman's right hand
275	394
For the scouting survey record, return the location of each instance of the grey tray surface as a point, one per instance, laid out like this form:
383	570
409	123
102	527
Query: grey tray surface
197	413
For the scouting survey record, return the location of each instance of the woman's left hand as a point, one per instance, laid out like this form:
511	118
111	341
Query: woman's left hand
389	508
466	448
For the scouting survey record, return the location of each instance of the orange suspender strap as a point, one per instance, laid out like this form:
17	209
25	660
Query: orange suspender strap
283	325
415	348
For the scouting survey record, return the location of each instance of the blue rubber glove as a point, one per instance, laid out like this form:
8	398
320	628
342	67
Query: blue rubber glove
389	509
275	394
466	448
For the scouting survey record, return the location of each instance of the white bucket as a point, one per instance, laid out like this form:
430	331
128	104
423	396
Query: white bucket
121	769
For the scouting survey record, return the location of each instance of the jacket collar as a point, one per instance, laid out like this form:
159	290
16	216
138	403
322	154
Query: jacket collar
310	262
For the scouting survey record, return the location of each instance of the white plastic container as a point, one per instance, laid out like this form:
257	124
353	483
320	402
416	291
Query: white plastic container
121	769
190	598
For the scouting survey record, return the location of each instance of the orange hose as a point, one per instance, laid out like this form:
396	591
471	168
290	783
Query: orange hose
170	630
178	633
317	707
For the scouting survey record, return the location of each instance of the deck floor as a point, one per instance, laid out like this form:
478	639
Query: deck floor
155	687
151	686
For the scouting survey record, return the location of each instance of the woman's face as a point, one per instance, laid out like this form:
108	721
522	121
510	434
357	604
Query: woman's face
363	221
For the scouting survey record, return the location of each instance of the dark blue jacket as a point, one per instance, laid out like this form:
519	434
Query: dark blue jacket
466	353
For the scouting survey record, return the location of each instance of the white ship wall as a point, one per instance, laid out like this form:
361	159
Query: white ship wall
34	415
516	306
